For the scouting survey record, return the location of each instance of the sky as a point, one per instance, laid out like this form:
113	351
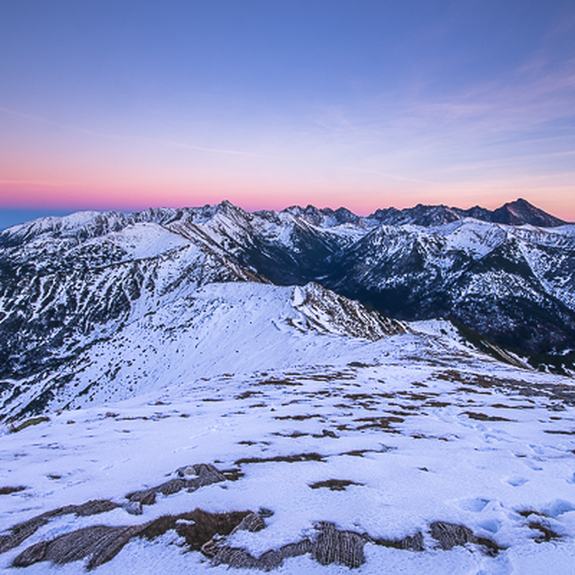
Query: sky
128	104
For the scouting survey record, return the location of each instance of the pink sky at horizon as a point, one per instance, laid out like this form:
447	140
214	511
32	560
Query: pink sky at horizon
76	197
138	104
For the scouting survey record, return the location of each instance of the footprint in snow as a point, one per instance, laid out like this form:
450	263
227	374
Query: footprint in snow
517	481
476	504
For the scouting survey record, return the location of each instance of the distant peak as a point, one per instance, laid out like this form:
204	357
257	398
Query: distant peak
522	212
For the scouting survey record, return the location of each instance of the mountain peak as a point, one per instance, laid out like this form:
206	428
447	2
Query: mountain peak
522	212
516	213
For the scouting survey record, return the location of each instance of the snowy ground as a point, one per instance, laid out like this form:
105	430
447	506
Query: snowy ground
426	429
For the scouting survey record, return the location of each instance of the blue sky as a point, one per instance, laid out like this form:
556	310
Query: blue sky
127	104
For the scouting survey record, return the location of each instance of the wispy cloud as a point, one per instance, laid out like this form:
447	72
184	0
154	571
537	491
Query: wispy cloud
528	100
132	139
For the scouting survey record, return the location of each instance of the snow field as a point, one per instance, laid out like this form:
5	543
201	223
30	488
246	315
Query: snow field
451	437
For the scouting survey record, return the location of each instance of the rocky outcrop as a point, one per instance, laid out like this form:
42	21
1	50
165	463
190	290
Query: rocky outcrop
192	478
18	533
100	542
208	532
450	535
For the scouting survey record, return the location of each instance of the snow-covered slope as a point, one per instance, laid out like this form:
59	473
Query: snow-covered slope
234	327
406	454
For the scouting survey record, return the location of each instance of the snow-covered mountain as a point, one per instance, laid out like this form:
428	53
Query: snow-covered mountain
513	285
66	282
217	328
517	213
182	392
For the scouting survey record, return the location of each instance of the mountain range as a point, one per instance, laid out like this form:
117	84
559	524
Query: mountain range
189	390
505	277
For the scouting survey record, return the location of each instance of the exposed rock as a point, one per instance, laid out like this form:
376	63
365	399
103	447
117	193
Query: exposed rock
134	508
341	547
94	507
296	549
186	470
240	558
203	474
22	531
450	535
147	497
328	312
331	546
100	541
252	522
235	557
409	542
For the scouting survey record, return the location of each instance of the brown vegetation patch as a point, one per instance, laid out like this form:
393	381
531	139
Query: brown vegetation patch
300	457
546	534
527	512
521	406
273	381
413	396
334	484
359	364
293	434
297	417
360	397
28	423
233	474
8	490
379	423
358	452
247	394
196	527
434	403
410	408
448	375
401	414
472	390
484	417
